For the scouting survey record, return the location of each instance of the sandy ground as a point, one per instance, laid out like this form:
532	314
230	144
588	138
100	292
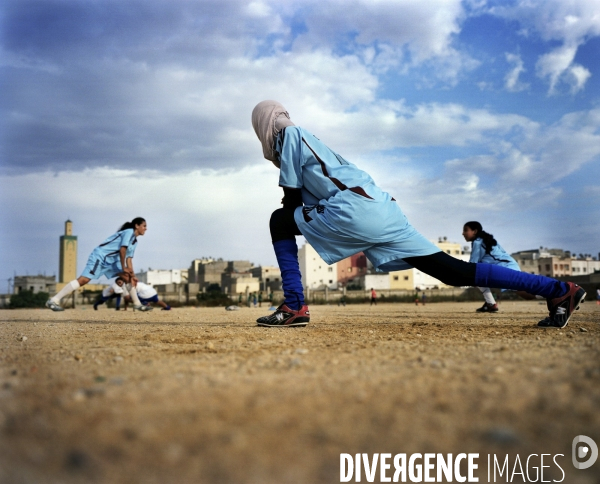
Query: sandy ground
205	396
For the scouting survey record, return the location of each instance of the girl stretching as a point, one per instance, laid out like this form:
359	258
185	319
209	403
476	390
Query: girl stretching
485	250
340	211
111	258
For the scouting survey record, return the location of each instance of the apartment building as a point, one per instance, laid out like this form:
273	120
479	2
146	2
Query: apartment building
316	274
350	270
269	277
163	276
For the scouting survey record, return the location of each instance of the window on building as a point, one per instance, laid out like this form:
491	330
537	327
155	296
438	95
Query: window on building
584	269
330	269
566	267
555	267
448	252
267	279
330	281
406	278
395	278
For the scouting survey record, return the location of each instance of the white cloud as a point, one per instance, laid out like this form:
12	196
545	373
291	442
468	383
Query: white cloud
425	28
555	64
578	77
571	23
511	80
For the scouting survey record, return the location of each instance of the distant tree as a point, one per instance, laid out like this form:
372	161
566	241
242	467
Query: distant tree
27	299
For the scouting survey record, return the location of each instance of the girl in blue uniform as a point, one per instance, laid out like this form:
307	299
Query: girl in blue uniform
340	211
486	250
111	258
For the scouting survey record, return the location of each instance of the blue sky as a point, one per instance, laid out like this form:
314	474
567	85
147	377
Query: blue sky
462	110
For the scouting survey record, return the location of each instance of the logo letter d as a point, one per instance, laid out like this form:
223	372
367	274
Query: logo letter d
591	447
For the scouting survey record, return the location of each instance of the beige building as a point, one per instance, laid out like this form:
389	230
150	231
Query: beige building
554	266
583	267
206	272
402	279
67	265
269	277
67	262
316	274
35	284
239	283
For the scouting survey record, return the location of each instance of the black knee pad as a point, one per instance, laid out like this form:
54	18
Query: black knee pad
282	225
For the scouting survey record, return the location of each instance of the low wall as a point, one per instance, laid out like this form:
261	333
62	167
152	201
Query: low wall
325	296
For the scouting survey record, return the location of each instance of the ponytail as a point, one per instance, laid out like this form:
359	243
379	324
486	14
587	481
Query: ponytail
132	224
488	239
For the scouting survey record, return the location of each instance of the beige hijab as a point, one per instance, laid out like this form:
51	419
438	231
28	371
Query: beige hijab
268	119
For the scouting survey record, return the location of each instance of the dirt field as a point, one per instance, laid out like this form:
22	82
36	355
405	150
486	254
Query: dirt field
204	396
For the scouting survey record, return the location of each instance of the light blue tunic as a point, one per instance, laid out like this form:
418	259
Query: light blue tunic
497	255
344	211
105	259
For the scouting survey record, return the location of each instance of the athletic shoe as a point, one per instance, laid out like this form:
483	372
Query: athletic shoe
50	304
284	316
488	308
168	308
562	308
96	307
142	308
545	323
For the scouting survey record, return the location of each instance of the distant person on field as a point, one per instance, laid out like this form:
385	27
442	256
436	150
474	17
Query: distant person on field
486	250
112	291
373	297
109	259
148	295
423	296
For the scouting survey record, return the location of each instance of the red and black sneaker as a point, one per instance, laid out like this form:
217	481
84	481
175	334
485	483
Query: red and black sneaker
284	316
487	308
562	308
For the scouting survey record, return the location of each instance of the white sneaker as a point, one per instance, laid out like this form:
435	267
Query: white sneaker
50	304
142	308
